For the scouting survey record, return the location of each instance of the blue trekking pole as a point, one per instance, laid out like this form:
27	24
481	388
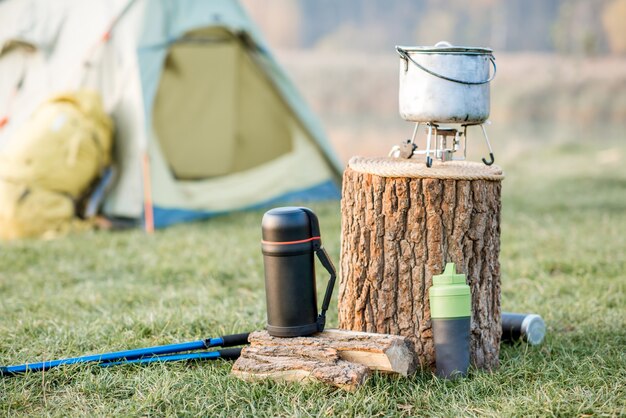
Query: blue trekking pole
125	356
226	354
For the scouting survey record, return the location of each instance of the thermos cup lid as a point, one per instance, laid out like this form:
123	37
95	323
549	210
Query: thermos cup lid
285	225
534	329
449	295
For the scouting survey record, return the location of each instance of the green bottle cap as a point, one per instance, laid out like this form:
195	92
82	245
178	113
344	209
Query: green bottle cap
449	295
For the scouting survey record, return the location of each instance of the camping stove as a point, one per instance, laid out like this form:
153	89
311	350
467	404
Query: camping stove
443	143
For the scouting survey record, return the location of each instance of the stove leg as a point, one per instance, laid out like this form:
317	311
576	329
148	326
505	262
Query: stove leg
491	158
429	160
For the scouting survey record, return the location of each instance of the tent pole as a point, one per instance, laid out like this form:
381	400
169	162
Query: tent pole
148	209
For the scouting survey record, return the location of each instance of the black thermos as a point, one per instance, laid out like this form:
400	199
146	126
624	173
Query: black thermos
291	235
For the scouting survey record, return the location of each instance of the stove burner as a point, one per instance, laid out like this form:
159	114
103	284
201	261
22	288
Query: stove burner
447	142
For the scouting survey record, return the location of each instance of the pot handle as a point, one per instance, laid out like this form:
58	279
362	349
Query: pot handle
406	57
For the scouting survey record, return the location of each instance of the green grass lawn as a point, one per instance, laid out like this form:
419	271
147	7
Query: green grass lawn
563	256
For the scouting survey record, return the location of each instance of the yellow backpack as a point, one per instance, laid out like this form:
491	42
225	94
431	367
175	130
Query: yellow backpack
50	162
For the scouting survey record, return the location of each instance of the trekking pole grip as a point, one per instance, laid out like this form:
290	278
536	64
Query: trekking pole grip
235	339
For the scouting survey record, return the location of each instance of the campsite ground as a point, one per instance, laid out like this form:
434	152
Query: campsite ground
563	256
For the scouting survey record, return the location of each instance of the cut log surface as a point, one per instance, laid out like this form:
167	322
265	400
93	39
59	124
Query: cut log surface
341	358
397	232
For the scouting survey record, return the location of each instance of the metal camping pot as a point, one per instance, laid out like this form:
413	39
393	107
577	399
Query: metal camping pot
445	83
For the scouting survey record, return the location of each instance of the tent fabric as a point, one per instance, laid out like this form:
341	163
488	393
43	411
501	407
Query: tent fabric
166	216
186	114
192	84
34	24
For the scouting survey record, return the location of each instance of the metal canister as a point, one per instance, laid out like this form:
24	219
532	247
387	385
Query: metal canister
529	328
291	236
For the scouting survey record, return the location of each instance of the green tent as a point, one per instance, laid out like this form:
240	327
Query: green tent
207	121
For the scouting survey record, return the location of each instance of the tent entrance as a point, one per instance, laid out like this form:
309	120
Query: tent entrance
215	113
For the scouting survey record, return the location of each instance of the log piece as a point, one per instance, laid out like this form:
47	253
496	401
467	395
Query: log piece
397	232
341	358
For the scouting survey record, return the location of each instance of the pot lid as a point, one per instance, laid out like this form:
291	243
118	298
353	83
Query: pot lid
444	47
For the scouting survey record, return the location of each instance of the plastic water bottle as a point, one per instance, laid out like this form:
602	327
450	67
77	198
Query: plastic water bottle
451	314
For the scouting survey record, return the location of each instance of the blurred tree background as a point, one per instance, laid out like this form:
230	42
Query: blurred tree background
586	27
561	66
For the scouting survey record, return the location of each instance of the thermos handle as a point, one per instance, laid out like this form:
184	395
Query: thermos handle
328	265
322	255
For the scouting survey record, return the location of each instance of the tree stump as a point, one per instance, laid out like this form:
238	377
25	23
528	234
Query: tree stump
401	223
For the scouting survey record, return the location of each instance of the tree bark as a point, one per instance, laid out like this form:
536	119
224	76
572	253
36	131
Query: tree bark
398	232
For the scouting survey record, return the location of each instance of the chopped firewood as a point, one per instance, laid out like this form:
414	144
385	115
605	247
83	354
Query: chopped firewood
341	358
